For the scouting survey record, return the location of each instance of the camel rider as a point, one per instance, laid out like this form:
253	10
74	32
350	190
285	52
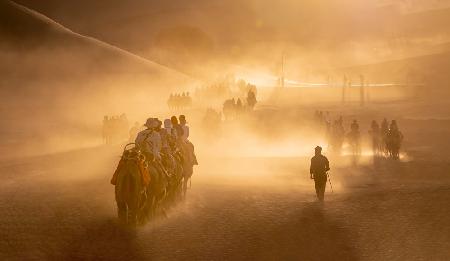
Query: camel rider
174	143
374	126
341	121
375	133
189	147
149	140
354	126
167	145
384	127
395	136
374	130
318	172
134	131
177	127
393	125
167	136
185	128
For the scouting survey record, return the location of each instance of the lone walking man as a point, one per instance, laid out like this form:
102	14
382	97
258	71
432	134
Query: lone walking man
318	172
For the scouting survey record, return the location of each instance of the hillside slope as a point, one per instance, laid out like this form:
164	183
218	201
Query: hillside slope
189	34
59	83
428	69
26	32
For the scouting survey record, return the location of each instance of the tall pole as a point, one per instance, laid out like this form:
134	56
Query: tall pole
344	85
361	90
282	70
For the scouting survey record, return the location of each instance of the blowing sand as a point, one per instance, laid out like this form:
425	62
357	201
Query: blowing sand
61	206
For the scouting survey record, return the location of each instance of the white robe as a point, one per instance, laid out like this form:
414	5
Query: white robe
149	141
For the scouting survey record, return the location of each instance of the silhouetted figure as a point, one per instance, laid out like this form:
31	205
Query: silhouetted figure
170	102
393	125
188	100
239	107
105	130
354	126
337	136
251	99
187	148
134	131
375	134
321	117
211	123
384	135
354	137
318	172
341	121
394	140
229	109
177	127
327	117
179	101
316	116
115	129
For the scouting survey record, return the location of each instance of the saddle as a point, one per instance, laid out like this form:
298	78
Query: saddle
135	155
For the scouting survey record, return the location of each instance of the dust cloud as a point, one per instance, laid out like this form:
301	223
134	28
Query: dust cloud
65	65
68	79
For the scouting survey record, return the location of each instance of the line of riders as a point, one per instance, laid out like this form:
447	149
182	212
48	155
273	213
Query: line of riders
115	128
179	101
386	139
222	88
233	108
213	92
154	171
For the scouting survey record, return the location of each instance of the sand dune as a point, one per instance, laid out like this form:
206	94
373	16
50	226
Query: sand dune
428	70
56	81
336	34
27	33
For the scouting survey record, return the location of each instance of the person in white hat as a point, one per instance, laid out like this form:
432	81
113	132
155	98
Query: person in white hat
149	140
168	136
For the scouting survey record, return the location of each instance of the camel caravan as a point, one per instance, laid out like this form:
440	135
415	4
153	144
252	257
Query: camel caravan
386	140
179	101
154	171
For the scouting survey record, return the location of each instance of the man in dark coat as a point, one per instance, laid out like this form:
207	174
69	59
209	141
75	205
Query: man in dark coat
318	172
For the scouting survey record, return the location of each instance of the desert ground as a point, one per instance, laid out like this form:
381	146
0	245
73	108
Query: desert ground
242	207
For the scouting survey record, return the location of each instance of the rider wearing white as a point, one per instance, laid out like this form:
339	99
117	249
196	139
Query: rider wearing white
188	146
183	122
168	137
149	140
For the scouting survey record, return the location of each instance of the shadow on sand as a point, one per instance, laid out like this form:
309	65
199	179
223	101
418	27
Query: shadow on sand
309	235
104	240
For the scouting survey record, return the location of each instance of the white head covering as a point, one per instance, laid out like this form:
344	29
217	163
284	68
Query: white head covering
167	124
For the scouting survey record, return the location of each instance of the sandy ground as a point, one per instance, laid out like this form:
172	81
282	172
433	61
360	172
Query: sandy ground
262	207
62	206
